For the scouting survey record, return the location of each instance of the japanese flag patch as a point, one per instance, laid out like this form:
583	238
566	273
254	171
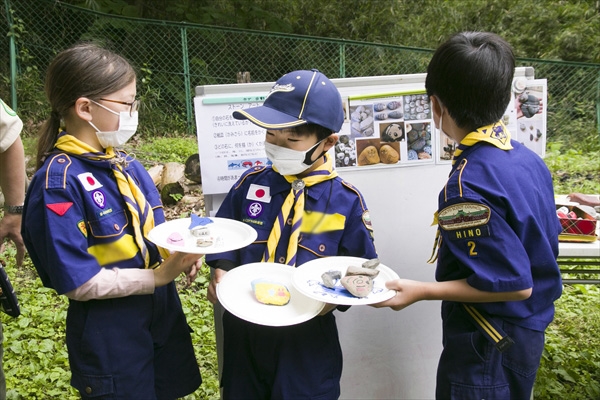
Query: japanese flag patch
259	193
88	181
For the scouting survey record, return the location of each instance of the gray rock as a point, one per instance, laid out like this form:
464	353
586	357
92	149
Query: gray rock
373	263
330	277
352	270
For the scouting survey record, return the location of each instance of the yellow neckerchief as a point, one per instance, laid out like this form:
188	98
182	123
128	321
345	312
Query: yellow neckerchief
141	212
295	200
496	134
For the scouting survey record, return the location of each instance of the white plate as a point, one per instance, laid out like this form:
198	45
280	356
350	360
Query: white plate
227	234
307	279
235	294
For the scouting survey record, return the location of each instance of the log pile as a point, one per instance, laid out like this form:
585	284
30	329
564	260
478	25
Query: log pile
180	186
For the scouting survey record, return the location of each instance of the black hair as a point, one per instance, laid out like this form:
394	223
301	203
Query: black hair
310	129
471	74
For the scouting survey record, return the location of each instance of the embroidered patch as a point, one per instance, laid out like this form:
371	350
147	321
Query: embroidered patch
366	217
88	181
60	208
105	212
254	209
463	215
82	228
253	221
99	198
259	193
469	233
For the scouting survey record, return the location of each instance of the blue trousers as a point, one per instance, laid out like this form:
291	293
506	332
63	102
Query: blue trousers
470	367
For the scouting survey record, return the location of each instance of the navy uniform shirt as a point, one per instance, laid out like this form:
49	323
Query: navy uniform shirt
500	231
336	220
76	220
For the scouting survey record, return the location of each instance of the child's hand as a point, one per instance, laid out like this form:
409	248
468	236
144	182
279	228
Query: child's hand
192	271
407	293
174	265
212	287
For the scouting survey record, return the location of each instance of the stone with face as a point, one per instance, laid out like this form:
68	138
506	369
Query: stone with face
358	285
369	156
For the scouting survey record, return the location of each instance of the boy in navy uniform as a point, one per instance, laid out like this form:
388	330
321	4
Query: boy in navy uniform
302	211
497	231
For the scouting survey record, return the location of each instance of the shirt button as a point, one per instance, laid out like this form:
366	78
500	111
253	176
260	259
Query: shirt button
281	260
116	226
88	390
289	221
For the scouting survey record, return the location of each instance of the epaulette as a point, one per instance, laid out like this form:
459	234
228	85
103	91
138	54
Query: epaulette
350	186
453	187
251	171
56	172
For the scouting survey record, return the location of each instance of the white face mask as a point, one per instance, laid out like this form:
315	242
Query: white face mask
127	127
288	161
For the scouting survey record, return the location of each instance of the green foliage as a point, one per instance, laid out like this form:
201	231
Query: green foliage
573	170
571	359
34	343
154	150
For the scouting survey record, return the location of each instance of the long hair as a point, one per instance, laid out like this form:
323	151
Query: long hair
83	70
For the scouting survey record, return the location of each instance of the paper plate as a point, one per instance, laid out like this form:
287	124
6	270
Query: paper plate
227	234
235	294
307	279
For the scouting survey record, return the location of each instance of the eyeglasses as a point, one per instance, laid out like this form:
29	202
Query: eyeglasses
134	105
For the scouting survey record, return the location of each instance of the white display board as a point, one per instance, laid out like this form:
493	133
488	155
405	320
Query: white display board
387	354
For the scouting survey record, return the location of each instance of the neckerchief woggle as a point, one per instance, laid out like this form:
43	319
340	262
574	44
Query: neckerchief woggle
496	134
295	201
141	212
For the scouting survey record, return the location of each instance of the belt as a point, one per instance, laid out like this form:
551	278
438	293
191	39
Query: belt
489	328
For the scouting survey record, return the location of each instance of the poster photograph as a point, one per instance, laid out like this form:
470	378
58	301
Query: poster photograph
526	113
386	130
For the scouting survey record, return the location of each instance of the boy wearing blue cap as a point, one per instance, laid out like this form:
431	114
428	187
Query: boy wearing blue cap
305	212
497	274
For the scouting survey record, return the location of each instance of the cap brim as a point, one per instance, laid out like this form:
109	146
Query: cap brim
268	118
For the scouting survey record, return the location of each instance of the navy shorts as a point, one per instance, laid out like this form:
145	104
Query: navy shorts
301	361
136	347
471	367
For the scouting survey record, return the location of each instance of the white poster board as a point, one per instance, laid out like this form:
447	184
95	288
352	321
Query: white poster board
387	354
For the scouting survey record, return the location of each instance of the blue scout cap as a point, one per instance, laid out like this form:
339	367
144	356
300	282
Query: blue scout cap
298	98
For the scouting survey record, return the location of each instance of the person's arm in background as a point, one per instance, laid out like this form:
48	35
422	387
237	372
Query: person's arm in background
12	183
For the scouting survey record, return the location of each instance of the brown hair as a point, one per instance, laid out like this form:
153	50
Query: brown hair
83	70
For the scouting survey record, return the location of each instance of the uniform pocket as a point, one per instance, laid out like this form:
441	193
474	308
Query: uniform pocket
109	225
467	392
93	386
322	245
523	357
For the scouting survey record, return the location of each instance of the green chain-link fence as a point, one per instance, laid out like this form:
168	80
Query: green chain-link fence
173	58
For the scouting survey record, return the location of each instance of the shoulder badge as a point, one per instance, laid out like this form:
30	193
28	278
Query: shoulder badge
366	218
56	173
463	215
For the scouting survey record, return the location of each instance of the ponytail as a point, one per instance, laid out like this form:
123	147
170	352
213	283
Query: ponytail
47	139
